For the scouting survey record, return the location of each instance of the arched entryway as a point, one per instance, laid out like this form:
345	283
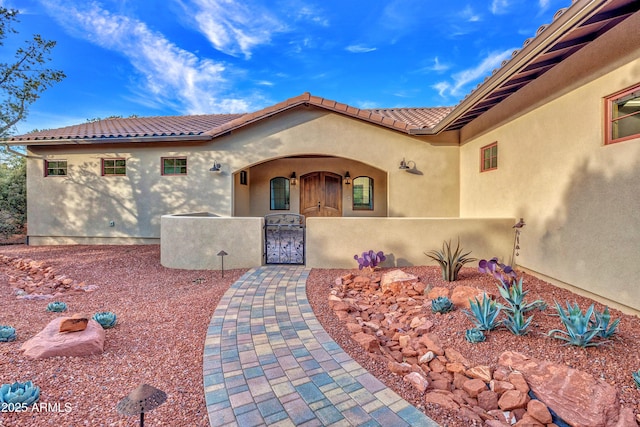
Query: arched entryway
321	194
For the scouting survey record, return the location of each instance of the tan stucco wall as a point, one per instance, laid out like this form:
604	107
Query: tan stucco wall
578	197
194	242
84	203
332	242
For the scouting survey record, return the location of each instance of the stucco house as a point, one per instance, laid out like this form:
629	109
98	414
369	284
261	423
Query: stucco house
552	136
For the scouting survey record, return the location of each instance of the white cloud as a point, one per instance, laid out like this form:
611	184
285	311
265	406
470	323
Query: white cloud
171	76
234	27
544	4
463	78
469	15
356	48
437	66
499	6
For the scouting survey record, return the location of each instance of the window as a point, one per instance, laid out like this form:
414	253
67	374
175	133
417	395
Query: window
279	193
55	168
174	166
363	193
489	157
114	167
623	115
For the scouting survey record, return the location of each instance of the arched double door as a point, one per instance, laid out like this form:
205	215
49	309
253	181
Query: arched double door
321	194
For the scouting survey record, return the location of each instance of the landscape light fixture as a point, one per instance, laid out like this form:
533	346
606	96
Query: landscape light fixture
347	178
143	399
293	178
215	167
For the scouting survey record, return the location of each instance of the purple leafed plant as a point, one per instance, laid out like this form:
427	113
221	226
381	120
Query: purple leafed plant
369	259
504	273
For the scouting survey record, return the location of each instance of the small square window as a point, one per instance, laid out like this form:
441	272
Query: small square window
114	167
623	115
55	168
489	157
174	166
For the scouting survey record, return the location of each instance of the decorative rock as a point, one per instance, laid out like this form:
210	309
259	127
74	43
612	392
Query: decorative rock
517	379
354	328
368	342
454	355
399	368
424	328
431	342
417	381
474	387
575	396
501	386
394	280
50	342
455	367
512	399
539	411
488	400
462	294
528	421
427	357
75	323
481	372
442	398
438	292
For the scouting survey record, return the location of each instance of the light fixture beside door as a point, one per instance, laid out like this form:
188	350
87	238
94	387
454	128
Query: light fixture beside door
293	179
347	178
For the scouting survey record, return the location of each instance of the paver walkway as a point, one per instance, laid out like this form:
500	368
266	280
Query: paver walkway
268	361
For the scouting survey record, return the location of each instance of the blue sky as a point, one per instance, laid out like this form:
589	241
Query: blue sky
173	57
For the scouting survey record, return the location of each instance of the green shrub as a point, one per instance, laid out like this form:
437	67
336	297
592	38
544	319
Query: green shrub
450	262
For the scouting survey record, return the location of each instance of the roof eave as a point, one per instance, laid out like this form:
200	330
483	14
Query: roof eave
115	140
553	32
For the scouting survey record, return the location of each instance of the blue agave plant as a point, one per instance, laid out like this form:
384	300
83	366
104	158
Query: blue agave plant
636	378
441	305
369	259
107	319
24	393
474	335
579	328
57	306
7	333
484	313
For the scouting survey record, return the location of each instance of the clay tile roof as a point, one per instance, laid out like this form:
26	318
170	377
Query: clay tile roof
135	127
422	118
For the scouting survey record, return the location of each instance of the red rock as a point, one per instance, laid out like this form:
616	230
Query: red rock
488	400
438	292
496	423
459	379
431	342
539	411
501	386
518	381
528	421
436	366
50	342
454	355
474	387
399	368
470	415
368	342
481	372
75	323
395	280
442	398
512	399
577	397
441	384
462	294
424	328
419	382
354	328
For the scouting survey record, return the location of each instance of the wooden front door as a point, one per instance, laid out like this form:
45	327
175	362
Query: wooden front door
321	194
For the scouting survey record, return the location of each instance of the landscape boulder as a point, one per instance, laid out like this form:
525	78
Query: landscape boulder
50	342
395	280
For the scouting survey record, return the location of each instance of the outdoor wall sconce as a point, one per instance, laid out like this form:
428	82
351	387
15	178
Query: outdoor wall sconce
347	178
215	167
293	178
409	166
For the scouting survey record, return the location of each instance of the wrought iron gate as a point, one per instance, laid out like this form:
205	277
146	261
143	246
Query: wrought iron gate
284	239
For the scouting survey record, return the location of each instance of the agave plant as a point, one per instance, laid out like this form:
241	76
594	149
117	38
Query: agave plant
450	261
57	306
636	378
474	335
7	333
514	296
580	329
369	259
441	305
516	323
484	313
602	321
107	319
23	393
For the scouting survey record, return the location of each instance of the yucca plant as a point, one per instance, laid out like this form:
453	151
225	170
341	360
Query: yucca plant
441	305
474	335
450	261
580	330
7	333
57	306
107	319
484	313
516	323
23	393
636	378
602	321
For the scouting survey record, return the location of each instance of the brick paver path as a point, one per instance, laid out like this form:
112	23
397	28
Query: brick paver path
268	361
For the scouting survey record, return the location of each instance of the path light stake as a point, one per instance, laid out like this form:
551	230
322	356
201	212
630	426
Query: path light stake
516	242
143	399
221	254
